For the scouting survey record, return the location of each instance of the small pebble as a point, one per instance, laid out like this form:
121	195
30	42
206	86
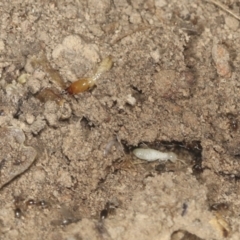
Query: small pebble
131	100
232	23
34	85
23	78
221	58
30	118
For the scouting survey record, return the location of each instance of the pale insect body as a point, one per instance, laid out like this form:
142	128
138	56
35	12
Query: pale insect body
150	155
104	66
84	84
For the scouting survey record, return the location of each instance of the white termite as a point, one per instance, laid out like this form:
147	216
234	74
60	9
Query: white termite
150	155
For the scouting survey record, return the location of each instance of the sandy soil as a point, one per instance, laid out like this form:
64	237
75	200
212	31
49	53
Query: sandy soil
66	165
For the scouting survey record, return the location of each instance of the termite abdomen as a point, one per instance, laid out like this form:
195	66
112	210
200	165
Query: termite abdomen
80	85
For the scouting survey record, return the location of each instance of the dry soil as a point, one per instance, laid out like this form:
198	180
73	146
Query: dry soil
67	171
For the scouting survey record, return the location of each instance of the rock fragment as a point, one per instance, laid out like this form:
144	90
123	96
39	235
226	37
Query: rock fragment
221	58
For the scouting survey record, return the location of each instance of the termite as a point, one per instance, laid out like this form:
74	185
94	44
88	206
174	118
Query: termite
153	155
84	84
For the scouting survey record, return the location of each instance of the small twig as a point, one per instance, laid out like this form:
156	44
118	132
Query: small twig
223	7
131	32
9	60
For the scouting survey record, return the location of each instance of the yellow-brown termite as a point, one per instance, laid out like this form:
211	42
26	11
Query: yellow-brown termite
84	84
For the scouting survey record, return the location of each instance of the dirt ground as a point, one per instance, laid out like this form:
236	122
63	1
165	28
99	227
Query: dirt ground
67	171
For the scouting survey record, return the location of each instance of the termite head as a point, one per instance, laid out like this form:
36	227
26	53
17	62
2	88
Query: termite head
172	157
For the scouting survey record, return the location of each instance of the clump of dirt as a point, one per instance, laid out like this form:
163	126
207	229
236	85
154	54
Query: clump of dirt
16	157
173	87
